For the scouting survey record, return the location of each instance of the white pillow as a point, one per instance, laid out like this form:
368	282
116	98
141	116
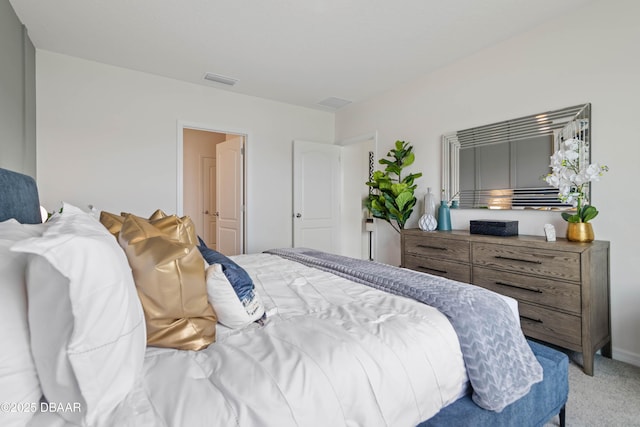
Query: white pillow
19	383
87	326
225	302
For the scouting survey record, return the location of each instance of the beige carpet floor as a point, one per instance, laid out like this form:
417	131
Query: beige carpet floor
611	398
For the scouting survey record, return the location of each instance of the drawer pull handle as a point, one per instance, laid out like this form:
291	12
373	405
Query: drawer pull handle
536	290
531	319
440	248
432	269
518	259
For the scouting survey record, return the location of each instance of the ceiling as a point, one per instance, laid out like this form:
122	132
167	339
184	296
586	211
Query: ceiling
295	51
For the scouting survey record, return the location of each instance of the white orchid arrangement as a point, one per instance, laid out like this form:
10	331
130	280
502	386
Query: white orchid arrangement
571	174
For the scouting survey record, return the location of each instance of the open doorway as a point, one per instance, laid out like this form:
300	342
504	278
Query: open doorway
358	228
211	185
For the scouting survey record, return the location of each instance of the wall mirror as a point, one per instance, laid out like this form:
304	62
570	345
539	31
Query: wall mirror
499	166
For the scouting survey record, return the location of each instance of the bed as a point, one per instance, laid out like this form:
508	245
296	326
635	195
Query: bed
326	340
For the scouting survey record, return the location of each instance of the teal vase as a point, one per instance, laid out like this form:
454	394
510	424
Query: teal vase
444	216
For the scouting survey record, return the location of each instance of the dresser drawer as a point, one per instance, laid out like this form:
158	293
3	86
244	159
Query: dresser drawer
562	287
542	262
439	267
452	250
548	292
551	326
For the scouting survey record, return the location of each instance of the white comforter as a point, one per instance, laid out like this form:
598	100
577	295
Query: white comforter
332	353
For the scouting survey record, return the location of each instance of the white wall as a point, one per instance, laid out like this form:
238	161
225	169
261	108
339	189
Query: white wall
587	56
107	136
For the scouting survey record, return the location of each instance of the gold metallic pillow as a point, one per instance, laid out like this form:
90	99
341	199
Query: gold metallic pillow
158	214
182	229
170	279
112	222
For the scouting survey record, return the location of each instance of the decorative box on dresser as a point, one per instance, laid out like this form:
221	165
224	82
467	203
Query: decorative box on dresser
562	287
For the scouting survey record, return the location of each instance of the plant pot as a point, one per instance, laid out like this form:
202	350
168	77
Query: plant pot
580	232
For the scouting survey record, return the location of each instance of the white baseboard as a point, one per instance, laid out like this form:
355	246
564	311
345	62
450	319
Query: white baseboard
626	356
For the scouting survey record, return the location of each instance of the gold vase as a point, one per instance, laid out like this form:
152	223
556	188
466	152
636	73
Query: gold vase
580	232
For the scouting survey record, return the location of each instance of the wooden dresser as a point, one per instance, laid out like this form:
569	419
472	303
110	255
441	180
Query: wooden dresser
562	287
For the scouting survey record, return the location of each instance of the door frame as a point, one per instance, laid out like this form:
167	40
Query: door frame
180	126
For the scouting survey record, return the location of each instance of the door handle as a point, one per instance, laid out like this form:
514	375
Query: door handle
206	212
298	215
216	214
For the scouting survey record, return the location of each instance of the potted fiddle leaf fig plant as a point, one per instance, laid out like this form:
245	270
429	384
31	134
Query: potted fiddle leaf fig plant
392	197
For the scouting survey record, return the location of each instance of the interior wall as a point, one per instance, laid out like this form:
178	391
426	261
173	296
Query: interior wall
17	94
107	136
585	57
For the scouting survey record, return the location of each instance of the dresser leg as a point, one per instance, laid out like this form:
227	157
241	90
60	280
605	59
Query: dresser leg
606	350
587	365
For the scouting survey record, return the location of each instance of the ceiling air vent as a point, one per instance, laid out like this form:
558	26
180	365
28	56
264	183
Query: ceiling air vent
220	79
334	103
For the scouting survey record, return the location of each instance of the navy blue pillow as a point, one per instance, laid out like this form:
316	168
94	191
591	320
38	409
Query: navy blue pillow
236	275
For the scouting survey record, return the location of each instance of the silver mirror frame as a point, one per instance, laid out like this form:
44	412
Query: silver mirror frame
564	123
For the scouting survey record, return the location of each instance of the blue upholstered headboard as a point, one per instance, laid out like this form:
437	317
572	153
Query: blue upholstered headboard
19	198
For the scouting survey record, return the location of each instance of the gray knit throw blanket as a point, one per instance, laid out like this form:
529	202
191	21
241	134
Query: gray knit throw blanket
499	362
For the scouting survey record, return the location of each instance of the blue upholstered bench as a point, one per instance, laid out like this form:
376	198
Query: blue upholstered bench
545	400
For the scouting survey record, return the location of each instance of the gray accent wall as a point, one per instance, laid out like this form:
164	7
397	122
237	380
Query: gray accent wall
17	94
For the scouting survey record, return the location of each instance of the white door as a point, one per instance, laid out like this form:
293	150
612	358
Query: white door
209	201
230	196
316	196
